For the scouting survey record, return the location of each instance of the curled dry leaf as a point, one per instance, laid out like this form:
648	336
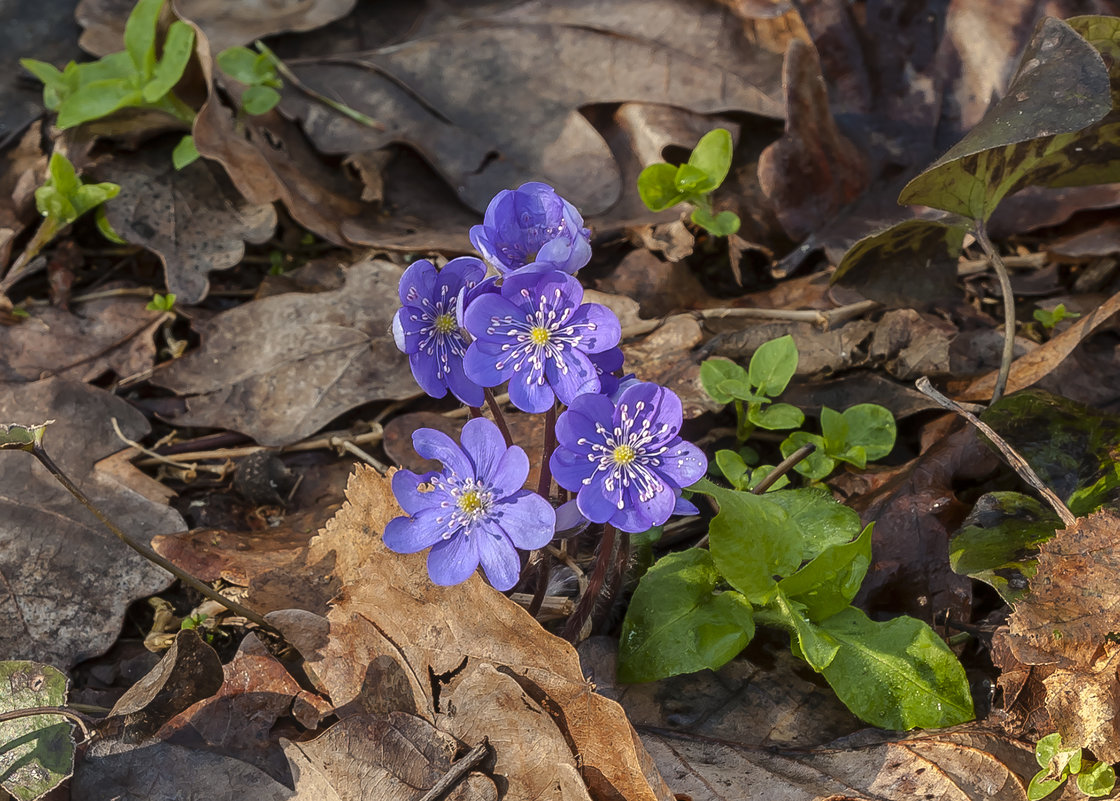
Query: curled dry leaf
191	218
665	51
390	611
281	368
66	580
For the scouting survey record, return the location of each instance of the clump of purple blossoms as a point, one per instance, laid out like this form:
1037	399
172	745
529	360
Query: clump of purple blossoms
473	511
537	334
625	458
532	225
426	327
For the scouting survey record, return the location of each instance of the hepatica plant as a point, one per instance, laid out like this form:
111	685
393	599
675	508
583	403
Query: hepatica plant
614	464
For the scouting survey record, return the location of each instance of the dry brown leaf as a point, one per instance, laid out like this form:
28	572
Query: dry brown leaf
394	757
438	631
110	334
665	52
281	368
665	356
191	218
65	581
1045	358
813	170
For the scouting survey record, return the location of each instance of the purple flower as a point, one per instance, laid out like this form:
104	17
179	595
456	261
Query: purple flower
473	511
426	327
532	224
626	458
537	333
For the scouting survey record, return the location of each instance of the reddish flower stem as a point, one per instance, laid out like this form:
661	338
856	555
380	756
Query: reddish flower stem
578	626
499	418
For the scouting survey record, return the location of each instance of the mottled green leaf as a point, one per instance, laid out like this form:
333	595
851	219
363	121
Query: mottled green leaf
910	264
1096	779
37	751
896	674
677	622
1030	136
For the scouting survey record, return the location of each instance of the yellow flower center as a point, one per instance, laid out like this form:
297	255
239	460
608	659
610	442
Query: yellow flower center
538	336
470	502
444	324
623	454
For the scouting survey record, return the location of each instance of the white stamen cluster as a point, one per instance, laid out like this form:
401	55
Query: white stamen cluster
468	502
440	334
542	334
626	454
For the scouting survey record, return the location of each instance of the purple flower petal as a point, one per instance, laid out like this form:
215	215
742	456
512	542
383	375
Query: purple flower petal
483	443
488	311
570	468
452	561
638	515
684	506
527	519
406	489
432	444
580	377
412	534
683	464
569	521
464	272
660	406
426	372
598	326
597	503
530	395
498	556
462	387
510	472
578	421
481	367
417	282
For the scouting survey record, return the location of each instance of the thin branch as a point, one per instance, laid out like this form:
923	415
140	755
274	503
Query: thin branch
62	711
1017	462
458	771
981	233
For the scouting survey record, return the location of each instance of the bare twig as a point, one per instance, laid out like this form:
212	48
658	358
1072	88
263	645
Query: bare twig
1017	462
61	711
823	319
458	771
981	233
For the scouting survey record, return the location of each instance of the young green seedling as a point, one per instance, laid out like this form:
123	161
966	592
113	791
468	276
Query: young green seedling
662	186
258	72
1049	319
163	303
132	78
1094	779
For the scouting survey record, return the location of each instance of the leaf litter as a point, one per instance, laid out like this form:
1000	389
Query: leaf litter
866	101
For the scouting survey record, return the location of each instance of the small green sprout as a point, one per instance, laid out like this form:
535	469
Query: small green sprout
662	186
258	72
1094	779
192	621
1049	319
161	303
132	78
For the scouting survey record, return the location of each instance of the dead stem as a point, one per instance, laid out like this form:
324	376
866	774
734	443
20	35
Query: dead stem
981	234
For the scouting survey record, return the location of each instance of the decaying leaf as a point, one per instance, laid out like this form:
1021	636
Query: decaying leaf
665	356
66	580
283	367
191	218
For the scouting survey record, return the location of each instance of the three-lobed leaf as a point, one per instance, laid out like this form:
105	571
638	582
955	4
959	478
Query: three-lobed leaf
677	621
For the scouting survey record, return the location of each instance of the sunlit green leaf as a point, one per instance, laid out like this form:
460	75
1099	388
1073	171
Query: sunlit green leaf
715	371
773	365
657	187
813	644
177	50
712	156
826	585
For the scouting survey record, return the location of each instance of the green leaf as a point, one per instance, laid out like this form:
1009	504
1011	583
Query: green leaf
725	223
106	227
733	467
240	63
15	437
185	153
712	156
1061	87
178	48
817	464
834	427
1047	748
50	75
752	539
873	427
140	35
690	180
1096	779
773	365
826	585
37	751
90	196
896	674
822	520
998	541
741	390
678	623
776	417
1050	318
53	205
96	100
259	99
814	645
63	177
715	371
761	472
657	187
910	264
1040	786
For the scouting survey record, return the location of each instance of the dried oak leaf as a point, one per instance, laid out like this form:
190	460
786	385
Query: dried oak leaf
65	581
448	91
389	608
192	218
394	757
281	368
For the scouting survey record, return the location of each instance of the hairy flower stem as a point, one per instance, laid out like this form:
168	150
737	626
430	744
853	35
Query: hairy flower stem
578	626
980	230
44	458
499	418
544	572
